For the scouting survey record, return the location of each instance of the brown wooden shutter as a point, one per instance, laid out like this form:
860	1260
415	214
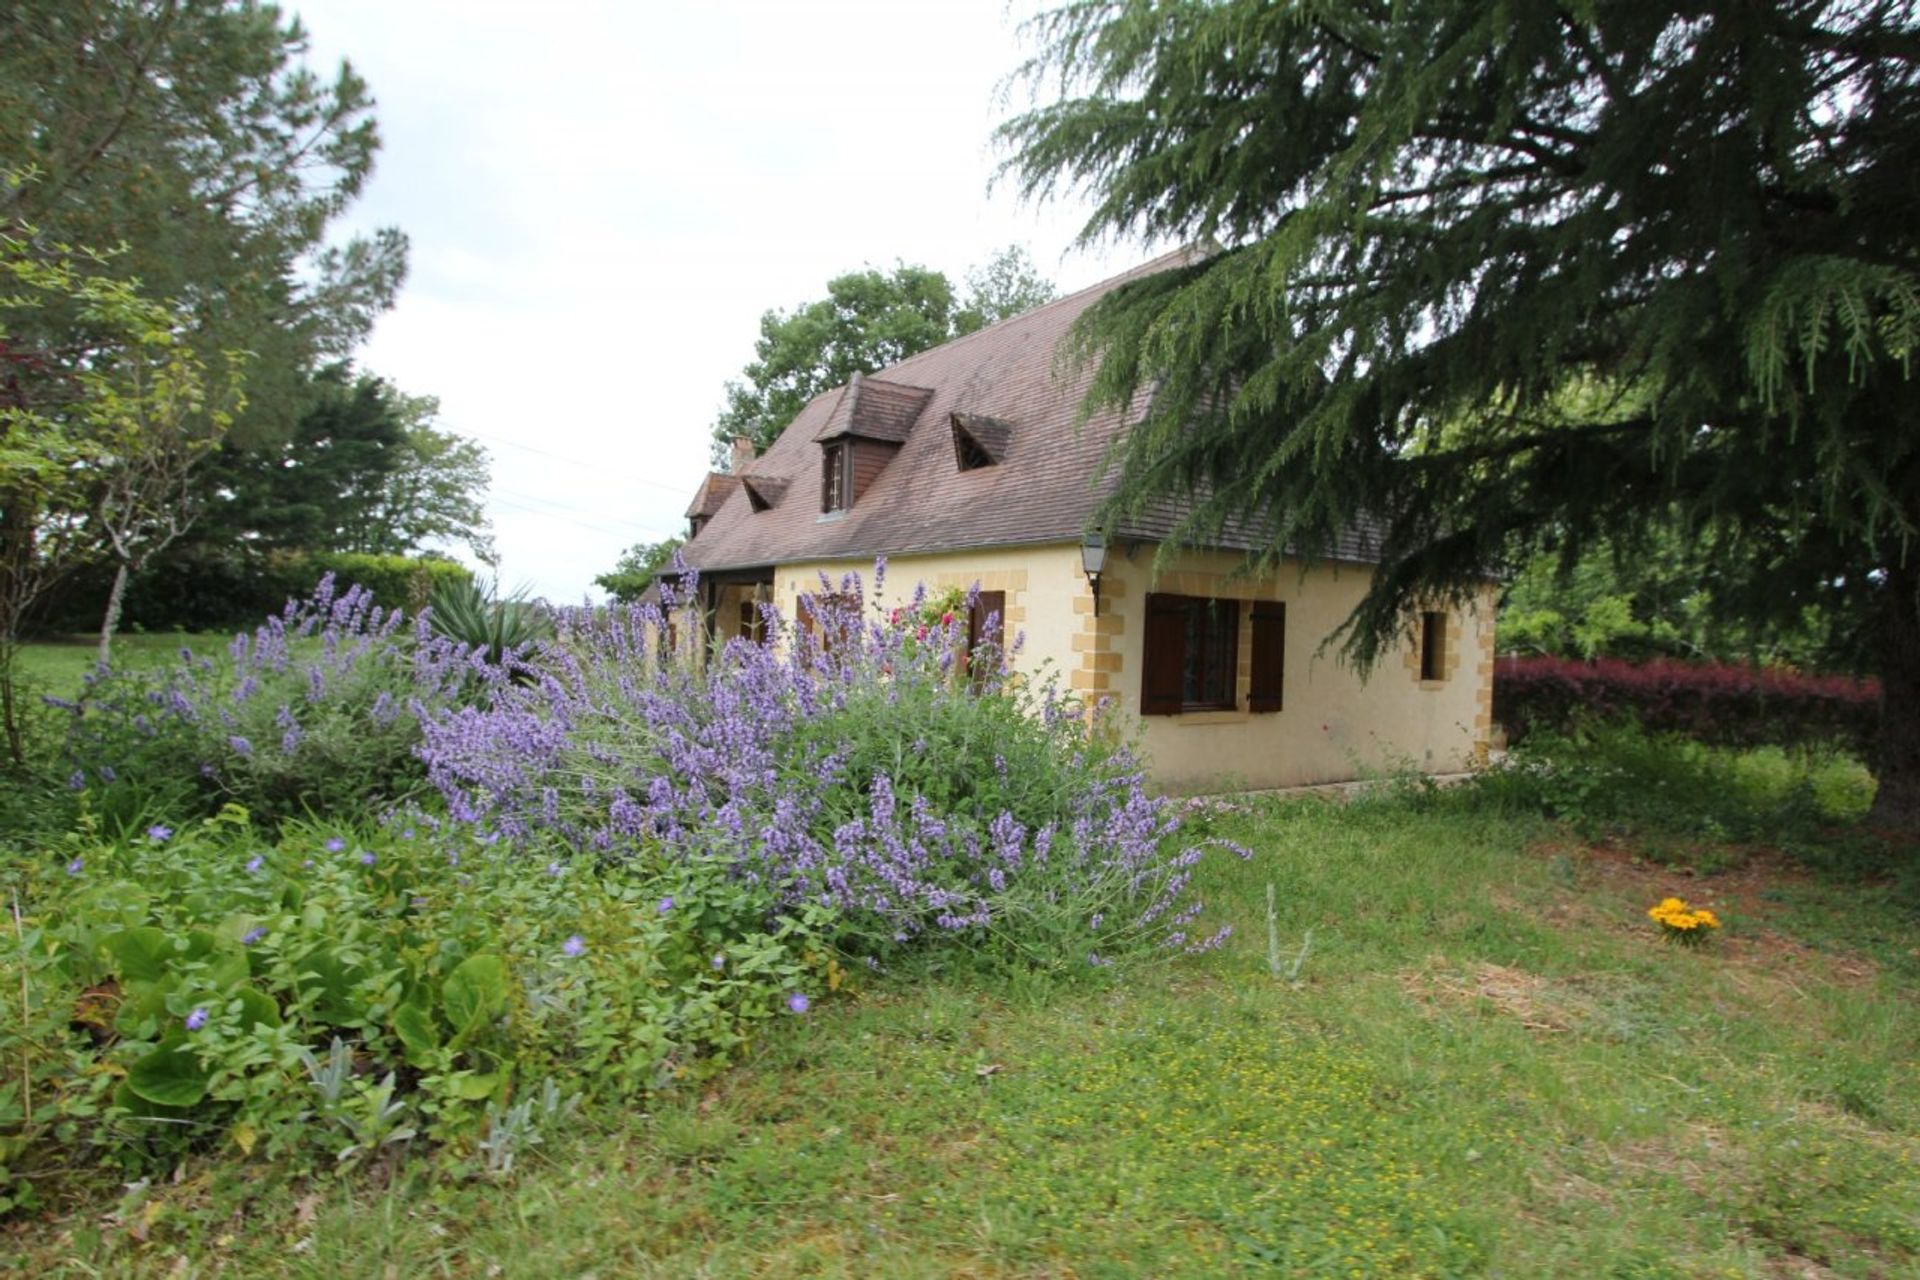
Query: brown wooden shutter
987	624
1163	679
1269	655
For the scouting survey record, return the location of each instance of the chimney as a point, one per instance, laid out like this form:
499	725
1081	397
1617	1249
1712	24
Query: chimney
743	453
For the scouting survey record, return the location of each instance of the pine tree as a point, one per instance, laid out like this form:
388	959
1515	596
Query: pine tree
1519	276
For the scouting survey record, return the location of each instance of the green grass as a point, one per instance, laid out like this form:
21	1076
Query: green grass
55	666
1490	1065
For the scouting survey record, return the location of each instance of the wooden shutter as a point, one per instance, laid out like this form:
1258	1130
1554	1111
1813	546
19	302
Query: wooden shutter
1163	679
1269	655
987	624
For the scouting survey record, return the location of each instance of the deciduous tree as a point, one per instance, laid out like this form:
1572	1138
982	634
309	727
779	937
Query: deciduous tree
868	320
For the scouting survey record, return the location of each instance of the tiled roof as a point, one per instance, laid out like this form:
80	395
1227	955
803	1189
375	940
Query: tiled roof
1022	407
874	410
712	494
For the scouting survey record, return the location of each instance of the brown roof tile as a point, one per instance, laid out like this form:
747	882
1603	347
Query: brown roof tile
712	494
1021	404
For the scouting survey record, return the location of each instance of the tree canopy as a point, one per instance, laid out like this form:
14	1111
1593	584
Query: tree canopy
639	565
194	133
1426	221
868	320
365	470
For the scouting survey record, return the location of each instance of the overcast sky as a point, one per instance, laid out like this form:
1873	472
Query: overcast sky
604	197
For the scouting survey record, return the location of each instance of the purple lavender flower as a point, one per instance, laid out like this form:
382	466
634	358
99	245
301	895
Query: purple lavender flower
555	869
240	745
367	859
77	781
159	834
255	863
574	946
75	867
335	845
666	904
107	775
719	960
798	1003
252	936
197	1019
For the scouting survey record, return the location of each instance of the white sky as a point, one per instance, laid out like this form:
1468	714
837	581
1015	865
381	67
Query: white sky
604	197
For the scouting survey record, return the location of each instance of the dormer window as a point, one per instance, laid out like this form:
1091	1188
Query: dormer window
968	453
836	476
979	441
695	524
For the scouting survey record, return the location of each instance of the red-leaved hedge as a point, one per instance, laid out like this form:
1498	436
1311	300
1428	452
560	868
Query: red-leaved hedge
1724	704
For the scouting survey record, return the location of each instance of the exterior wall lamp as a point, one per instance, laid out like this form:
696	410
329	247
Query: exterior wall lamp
1093	562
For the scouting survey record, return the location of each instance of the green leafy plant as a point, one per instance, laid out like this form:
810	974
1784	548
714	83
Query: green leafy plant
474	615
347	992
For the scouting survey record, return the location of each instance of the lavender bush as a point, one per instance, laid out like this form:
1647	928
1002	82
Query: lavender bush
316	710
851	765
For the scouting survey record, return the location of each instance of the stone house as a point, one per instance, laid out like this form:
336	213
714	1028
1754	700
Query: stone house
969	464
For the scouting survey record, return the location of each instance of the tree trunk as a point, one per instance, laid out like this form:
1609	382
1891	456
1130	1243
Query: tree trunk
1896	805
110	621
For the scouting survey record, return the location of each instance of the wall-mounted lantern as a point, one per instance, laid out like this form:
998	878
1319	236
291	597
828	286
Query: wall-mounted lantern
1093	562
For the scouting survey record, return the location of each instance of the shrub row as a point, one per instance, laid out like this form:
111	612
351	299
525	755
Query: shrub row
228	590
1723	704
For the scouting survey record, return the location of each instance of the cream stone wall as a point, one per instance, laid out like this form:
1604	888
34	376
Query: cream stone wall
1040	583
1333	725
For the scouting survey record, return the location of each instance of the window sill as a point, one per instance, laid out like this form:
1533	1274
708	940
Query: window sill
1191	719
1432	685
825	516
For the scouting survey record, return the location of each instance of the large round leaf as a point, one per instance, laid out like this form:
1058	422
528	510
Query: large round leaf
139	955
475	992
170	1075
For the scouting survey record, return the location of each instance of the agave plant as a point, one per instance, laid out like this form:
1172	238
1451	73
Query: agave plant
472	613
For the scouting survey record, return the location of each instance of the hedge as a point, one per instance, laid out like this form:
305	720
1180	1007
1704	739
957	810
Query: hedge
1723	704
221	591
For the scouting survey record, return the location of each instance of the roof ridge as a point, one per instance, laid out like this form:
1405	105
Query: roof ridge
1149	267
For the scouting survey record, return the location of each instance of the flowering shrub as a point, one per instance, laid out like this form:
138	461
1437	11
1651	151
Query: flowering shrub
846	766
349	990
1681	923
316	710
1724	704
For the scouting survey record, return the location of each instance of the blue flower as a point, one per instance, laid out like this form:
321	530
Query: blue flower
75	867
719	960
159	834
575	945
367	859
798	1003
336	844
78	782
255	863
252	936
197	1019
666	904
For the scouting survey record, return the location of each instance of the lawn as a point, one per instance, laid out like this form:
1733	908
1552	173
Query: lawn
1486	1062
55	665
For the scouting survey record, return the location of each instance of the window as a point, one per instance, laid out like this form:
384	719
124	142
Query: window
968	453
1433	646
826	617
753	623
986	628
836	477
1192	655
695	524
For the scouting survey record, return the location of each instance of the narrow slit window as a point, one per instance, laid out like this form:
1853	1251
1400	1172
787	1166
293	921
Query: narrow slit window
1433	646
